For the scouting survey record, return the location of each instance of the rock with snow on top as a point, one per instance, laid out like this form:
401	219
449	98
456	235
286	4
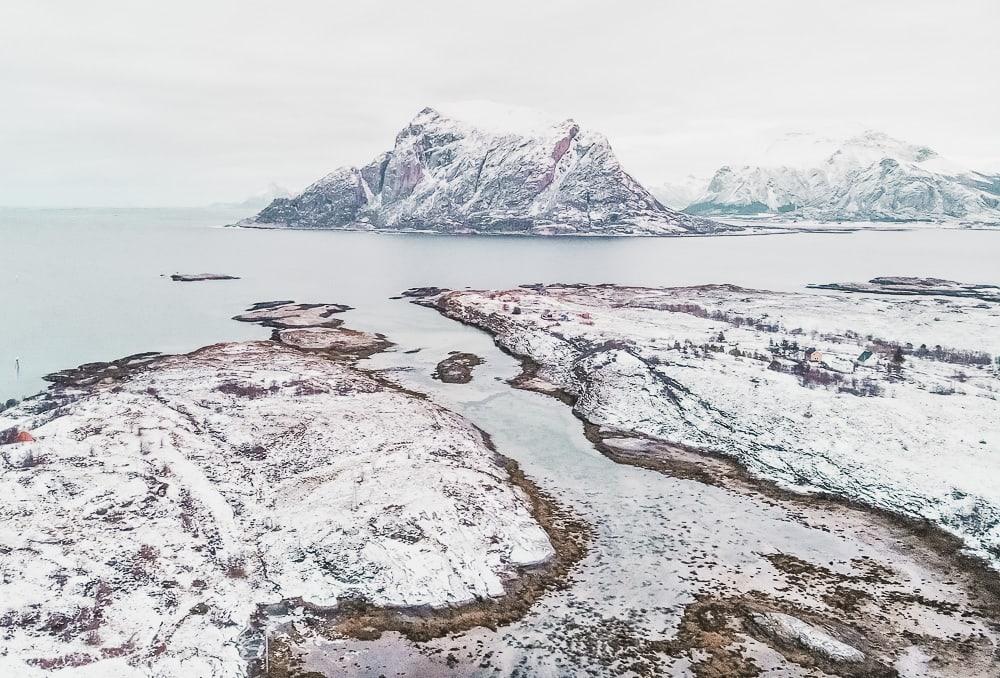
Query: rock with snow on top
444	175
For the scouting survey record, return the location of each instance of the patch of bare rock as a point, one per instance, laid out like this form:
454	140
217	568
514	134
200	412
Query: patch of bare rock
457	367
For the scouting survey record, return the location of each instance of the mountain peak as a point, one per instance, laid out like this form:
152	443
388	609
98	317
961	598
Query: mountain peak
875	143
425	115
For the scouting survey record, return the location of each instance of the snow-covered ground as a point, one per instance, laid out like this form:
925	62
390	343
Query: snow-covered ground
153	515
807	390
681	576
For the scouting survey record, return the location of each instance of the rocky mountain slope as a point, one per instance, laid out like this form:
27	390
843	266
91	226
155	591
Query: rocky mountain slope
868	177
444	175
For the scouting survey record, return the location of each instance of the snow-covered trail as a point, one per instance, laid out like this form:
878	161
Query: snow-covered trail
666	547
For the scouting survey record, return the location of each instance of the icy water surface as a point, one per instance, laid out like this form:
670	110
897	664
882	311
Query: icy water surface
85	285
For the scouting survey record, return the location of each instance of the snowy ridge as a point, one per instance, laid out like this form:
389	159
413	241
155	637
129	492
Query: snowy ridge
152	516
444	175
890	401
868	177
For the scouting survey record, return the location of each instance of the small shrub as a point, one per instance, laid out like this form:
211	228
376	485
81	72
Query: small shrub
245	390
147	553
866	388
236	569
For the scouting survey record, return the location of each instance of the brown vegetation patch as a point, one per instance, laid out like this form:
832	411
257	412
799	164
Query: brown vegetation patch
244	390
89	374
712	628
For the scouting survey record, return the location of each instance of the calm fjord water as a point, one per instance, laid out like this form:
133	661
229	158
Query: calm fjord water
85	285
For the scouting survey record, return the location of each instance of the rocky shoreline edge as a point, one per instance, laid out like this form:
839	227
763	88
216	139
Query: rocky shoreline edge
312	329
360	620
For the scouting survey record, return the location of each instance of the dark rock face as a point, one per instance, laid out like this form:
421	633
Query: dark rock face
446	176
457	368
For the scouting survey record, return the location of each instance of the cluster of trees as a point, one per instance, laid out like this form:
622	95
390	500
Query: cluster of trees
9	404
246	390
708	348
7	436
956	356
785	348
721	316
940	353
807	375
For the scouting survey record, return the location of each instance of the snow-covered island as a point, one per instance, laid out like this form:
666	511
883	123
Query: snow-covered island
201	277
446	175
161	513
889	402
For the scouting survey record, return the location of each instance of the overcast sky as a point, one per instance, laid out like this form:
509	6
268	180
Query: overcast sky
189	102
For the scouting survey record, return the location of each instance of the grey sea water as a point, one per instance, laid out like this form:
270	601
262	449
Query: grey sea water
88	284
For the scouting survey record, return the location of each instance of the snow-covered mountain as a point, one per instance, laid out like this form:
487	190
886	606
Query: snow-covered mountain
868	177
447	176
679	194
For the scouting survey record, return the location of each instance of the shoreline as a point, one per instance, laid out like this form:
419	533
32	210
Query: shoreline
727	473
746	231
569	535
730	611
350	617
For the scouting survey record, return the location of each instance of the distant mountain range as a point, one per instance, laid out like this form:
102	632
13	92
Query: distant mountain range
448	176
260	200
869	177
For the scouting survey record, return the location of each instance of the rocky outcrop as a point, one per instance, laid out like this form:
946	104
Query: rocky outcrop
446	176
201	277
